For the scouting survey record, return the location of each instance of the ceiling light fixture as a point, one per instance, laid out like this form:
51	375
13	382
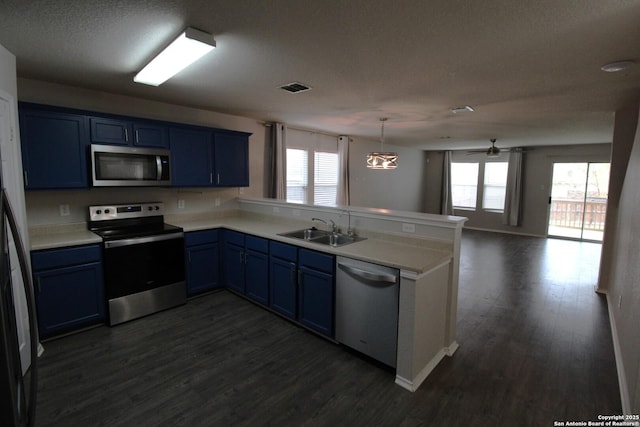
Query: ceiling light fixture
612	67
465	109
382	159
190	46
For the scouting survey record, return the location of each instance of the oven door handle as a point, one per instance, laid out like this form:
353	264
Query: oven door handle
141	240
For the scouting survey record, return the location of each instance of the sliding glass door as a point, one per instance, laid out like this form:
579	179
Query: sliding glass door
578	202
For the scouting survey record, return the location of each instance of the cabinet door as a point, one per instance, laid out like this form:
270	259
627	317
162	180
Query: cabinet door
234	267
257	276
231	159
202	268
69	298
191	157
110	131
150	135
316	300
54	149
283	286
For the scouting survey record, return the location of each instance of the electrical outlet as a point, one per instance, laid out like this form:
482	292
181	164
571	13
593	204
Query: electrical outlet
64	210
217	201
181	204
241	190
408	228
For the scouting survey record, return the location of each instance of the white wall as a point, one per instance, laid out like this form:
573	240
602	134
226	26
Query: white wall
400	189
538	172
43	206
624	284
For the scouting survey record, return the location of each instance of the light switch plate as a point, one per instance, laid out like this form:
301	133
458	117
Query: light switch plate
181	204
64	210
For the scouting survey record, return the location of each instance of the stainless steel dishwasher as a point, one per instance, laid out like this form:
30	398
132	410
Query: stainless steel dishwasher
367	308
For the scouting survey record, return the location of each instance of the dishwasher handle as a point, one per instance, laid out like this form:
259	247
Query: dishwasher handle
369	275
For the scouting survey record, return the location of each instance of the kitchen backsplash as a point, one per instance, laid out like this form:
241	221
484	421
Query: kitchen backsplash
70	206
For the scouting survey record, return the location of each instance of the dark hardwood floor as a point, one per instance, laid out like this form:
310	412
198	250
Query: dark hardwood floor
535	347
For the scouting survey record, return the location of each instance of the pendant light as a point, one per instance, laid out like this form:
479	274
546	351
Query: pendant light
382	159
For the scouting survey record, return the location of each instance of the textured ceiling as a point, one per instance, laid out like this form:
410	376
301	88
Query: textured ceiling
530	69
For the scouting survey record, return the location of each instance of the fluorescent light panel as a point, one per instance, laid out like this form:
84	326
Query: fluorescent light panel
190	46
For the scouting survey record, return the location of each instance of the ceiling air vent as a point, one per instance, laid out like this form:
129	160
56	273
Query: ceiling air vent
295	87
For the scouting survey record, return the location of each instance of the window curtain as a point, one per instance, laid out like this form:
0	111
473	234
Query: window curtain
342	198
278	184
513	195
446	198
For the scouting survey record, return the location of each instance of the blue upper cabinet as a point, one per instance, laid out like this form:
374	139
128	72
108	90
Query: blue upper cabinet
54	149
125	132
55	144
191	157
231	158
203	157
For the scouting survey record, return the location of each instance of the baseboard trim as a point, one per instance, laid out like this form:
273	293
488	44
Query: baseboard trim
413	385
451	349
624	389
493	230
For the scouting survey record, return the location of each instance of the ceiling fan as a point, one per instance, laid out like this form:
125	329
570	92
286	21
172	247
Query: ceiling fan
493	151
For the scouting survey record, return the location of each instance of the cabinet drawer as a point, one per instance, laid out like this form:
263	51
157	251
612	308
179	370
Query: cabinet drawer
234	237
283	251
194	238
257	244
316	260
54	258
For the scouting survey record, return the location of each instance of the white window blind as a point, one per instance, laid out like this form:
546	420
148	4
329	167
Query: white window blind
495	185
464	185
325	185
297	175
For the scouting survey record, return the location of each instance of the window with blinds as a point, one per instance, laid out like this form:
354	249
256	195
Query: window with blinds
297	175
325	183
464	185
495	185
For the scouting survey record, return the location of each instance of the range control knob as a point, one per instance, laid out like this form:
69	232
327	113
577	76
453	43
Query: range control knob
150	208
157	207
98	212
107	211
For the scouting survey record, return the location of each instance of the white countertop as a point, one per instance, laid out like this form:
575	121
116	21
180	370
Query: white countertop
416	255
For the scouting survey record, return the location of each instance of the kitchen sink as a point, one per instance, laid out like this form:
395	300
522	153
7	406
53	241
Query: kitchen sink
306	234
322	237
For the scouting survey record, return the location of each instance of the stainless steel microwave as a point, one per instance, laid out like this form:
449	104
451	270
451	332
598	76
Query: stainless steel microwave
117	166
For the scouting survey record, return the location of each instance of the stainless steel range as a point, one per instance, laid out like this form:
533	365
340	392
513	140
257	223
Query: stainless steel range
143	259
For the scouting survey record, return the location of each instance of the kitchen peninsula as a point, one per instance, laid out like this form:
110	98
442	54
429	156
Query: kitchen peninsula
424	248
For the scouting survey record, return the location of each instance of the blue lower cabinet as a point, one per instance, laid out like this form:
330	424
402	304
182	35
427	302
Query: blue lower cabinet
233	267
69	289
202	264
257	276
246	265
283	278
316	291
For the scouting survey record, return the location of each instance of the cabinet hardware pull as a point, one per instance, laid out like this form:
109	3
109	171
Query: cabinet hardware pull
137	139
211	178
126	135
26	179
218	178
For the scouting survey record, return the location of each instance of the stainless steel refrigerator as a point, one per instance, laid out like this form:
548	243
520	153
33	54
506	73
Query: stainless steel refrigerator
17	392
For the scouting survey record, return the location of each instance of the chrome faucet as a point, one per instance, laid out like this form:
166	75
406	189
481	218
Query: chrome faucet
334	227
350	232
